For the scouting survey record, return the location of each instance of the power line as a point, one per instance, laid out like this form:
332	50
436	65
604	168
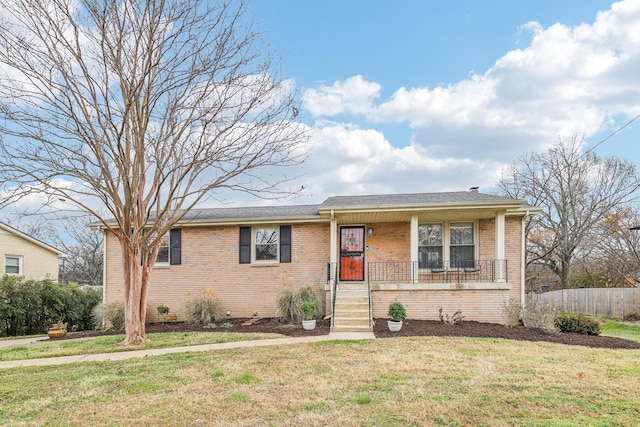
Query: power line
612	134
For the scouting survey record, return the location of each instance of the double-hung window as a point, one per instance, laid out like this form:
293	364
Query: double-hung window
446	245
170	252
430	246
266	244
462	247
13	264
163	253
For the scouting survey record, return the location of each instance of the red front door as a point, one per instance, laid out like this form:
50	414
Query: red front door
352	254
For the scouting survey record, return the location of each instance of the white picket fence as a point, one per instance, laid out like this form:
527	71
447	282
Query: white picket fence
602	302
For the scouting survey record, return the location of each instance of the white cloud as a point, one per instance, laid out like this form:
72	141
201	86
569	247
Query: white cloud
354	95
568	80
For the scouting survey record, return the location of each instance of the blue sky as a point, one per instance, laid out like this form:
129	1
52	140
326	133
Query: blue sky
424	96
412	96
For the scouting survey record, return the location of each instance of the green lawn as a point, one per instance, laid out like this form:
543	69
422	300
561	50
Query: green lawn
629	331
385	382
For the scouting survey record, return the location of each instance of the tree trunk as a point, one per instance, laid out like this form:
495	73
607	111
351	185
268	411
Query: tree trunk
135	295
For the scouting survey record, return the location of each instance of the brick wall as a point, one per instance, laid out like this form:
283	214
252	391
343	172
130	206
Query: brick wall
210	264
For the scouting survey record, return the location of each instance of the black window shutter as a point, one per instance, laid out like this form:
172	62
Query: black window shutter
175	246
245	245
285	243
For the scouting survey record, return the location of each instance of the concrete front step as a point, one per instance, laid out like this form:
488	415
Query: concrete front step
351	329
351	313
351	321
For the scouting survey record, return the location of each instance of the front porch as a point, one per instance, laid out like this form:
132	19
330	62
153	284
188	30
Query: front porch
354	302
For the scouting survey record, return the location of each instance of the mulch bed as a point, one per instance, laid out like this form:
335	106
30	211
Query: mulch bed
409	329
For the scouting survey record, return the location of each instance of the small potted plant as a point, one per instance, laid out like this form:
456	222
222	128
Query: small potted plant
163	310
308	308
58	330
397	314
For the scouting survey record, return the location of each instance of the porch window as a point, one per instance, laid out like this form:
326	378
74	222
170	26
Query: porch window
430	246
462	247
446	245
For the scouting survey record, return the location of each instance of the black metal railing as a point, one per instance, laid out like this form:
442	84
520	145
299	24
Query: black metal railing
332	279
438	272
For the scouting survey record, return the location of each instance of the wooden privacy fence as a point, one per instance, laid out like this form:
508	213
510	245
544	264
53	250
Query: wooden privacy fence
602	302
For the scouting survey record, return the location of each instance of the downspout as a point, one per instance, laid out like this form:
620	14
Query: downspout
523	260
104	265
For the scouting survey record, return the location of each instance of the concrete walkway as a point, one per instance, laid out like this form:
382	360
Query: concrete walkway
168	350
22	341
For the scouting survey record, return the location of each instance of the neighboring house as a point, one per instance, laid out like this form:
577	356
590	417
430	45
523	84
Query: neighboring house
26	256
457	250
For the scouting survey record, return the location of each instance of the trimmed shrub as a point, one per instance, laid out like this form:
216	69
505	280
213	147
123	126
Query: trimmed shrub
111	313
31	307
397	312
290	303
203	309
81	302
577	323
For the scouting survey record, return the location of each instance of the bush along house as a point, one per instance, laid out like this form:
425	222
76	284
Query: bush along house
454	250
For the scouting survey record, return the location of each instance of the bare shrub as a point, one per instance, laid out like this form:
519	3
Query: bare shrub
203	309
110	313
541	317
511	313
453	320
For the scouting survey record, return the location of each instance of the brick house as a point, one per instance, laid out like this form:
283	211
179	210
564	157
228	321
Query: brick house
25	256
456	250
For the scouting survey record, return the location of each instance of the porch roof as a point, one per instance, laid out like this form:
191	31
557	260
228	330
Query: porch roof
418	200
458	205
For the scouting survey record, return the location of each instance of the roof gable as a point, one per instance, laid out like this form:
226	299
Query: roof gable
20	234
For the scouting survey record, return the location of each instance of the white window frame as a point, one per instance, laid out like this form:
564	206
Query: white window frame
442	245
165	239
254	244
475	246
20	259
446	241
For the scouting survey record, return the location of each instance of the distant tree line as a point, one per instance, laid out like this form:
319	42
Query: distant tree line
582	236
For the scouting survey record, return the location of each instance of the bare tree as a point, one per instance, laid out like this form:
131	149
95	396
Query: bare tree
615	249
83	247
576	190
136	111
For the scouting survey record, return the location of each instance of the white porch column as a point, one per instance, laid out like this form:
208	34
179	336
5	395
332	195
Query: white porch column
333	249
500	248
414	248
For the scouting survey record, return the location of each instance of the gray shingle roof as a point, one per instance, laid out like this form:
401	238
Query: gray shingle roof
258	212
312	212
416	199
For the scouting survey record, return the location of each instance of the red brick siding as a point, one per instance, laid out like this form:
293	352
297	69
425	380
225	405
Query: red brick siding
210	264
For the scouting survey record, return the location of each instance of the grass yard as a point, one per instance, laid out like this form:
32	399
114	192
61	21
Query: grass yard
413	381
626	330
113	343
